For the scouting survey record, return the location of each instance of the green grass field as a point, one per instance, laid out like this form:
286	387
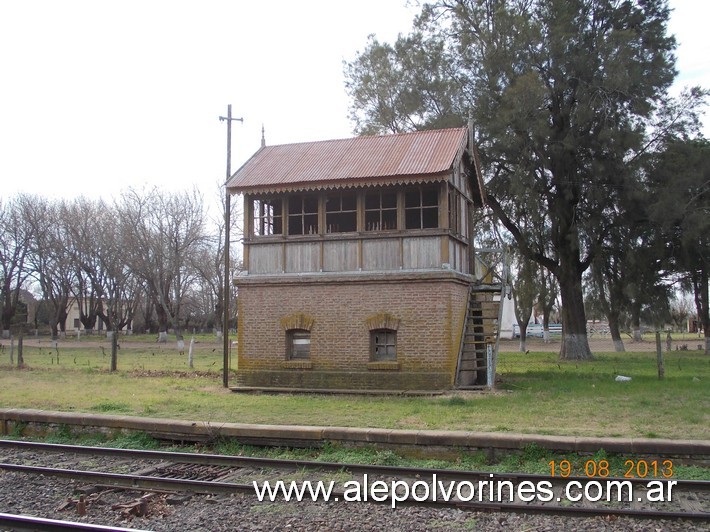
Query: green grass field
536	394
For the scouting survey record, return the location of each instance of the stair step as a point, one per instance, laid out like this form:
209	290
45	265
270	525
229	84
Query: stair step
470	365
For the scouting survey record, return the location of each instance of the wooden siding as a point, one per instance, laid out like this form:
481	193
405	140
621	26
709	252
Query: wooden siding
422	253
340	256
381	254
265	258
302	257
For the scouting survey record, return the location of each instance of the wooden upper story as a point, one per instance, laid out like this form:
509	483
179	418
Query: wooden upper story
381	203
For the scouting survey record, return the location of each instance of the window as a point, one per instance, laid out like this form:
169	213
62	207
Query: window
455	218
341	212
421	207
298	344
267	217
383	345
303	214
380	210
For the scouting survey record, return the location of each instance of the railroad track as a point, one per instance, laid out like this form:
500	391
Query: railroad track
161	471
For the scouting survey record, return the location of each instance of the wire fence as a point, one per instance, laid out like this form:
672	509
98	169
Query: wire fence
535	355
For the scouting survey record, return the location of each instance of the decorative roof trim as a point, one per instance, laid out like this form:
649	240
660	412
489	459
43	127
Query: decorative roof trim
337	185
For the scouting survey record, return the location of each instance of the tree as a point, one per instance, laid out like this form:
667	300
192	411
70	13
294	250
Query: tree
681	310
525	292
561	93
547	299
51	262
167	231
16	237
680	178
81	218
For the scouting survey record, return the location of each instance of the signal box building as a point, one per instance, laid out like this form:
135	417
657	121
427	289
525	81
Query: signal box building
360	273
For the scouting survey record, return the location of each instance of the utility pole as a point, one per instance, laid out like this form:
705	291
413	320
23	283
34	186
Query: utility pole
227	224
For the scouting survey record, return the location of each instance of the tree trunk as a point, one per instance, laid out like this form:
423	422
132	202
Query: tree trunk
702	305
615	332
523	337
575	344
162	324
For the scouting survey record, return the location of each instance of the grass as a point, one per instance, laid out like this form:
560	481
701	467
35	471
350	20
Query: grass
537	394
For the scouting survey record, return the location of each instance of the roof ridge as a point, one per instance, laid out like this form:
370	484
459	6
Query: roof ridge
358	137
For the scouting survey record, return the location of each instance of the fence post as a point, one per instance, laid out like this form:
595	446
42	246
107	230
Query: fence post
659	353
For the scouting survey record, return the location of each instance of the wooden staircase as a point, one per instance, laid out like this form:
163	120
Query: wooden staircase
480	330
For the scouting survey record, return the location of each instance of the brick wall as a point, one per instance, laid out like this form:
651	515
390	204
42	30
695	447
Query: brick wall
429	308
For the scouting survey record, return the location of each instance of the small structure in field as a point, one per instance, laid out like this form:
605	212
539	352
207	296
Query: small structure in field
360	270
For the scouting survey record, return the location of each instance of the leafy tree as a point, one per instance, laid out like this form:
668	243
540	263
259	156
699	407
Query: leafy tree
681	184
562	93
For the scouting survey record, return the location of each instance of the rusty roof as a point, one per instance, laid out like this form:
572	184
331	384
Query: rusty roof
404	157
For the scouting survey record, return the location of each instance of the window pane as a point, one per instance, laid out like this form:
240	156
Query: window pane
384	345
332	203
310	224
310	204
299	344
372	200
389	200
295	225
295	205
430	217
341	222
349	201
430	196
389	219
412	198
413	218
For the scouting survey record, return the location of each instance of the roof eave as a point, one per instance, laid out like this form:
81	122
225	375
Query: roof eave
360	182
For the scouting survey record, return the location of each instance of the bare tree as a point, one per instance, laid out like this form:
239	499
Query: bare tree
210	263
167	231
50	260
525	292
81	218
15	240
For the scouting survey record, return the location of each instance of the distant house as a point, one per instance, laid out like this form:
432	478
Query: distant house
360	268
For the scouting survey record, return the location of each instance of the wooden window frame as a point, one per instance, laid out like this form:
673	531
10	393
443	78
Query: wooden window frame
294	353
267	214
296	210
389	344
377	218
335	213
423	209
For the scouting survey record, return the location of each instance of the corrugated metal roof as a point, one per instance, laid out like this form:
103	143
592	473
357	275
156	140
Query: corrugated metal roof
403	157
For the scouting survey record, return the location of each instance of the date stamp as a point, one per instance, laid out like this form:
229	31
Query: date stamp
602	469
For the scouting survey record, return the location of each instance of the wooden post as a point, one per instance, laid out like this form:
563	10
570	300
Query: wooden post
227	224
114	350
20	359
189	353
659	354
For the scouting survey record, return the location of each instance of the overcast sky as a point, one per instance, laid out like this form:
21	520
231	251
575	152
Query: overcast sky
100	95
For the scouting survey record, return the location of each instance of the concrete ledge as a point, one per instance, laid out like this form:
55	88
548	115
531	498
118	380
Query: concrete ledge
315	436
333	391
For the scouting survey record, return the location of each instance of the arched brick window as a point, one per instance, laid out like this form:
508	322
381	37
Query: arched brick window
383	337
